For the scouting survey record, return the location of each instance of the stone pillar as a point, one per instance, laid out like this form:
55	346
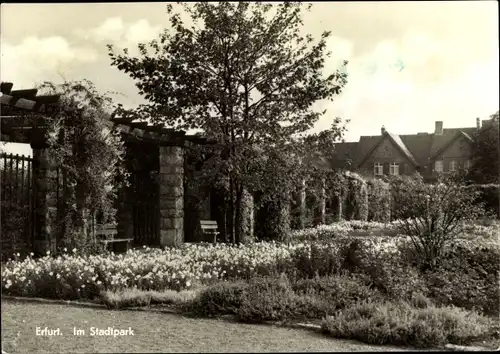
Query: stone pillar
340	206
171	180
247	215
322	202
302	204
45	183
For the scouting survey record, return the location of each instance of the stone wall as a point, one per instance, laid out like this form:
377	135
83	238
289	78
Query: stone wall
171	183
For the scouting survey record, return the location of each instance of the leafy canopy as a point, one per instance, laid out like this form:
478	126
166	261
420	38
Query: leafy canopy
485	153
244	75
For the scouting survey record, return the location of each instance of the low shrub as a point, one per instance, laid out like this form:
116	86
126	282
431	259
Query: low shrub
400	323
137	298
315	260
224	298
267	299
477	285
339	291
278	299
385	271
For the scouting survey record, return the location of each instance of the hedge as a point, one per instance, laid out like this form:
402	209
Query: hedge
489	195
379	201
355	198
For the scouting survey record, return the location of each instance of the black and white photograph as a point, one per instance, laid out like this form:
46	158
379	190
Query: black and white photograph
219	177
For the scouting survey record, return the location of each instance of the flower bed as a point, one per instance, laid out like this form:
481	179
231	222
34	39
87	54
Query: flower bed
77	276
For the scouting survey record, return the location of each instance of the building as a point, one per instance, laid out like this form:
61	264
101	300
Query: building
446	150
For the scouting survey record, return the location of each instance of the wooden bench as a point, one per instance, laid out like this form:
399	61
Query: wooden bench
209	227
107	233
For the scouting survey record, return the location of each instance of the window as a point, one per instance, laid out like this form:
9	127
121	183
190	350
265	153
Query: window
438	166
453	166
394	169
466	164
378	169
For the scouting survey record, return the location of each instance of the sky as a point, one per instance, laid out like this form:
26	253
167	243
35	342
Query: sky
410	63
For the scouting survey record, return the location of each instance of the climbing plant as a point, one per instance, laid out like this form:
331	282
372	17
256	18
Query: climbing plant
89	156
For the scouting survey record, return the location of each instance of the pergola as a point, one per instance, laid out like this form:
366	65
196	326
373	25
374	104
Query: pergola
25	117
23	112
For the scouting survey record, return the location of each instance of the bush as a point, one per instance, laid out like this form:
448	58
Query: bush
276	299
379	201
274	219
401	324
488	195
432	215
267	299
356	198
315	260
224	298
476	288
385	271
338	291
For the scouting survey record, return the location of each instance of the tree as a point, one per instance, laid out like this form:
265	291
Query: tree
89	155
485	153
432	214
246	77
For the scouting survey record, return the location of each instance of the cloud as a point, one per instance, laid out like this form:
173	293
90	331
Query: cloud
111	29
407	83
121	34
38	59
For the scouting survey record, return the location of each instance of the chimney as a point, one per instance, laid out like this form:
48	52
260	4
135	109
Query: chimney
439	128
382	130
478	123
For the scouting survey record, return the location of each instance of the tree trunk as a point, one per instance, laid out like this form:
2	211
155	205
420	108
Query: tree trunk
231	219
238	220
322	202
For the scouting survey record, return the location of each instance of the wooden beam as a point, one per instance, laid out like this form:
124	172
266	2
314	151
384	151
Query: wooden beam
17	102
6	87
139	125
122	120
157	128
27	94
6	99
25	104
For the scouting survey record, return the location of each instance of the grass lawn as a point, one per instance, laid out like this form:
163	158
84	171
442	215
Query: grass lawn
153	332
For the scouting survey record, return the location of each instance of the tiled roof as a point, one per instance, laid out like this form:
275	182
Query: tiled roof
345	151
419	145
440	141
365	145
419	148
397	140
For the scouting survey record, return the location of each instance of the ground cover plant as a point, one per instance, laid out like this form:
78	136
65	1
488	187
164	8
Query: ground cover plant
301	280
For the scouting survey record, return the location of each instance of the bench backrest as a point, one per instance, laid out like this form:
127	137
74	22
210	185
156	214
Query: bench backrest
107	230
208	225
